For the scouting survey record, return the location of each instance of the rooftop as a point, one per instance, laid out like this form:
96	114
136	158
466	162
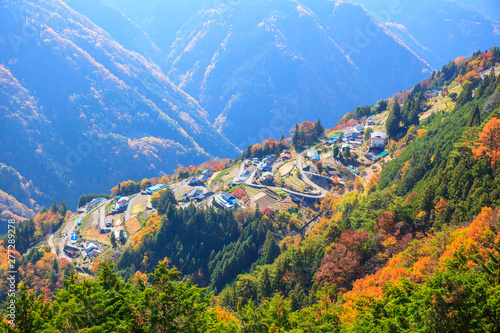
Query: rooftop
156	187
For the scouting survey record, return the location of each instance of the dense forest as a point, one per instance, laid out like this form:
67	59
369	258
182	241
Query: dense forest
417	250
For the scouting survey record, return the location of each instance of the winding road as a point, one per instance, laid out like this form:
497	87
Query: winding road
322	191
307	180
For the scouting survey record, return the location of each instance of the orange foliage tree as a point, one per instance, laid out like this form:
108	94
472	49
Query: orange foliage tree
358	185
270	144
489	142
255	148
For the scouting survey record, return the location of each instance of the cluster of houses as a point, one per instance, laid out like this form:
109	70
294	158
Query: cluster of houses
265	168
94	203
354	136
87	249
434	93
197	194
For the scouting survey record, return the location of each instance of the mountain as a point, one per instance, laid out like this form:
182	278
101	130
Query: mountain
262	57
439	30
77	106
263	64
120	27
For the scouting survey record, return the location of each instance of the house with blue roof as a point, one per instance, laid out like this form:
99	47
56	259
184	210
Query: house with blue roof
269	159
194	193
313	155
204	178
207	172
265	166
153	189
228	200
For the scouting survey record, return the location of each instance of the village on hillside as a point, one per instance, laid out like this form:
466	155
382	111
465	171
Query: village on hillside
291	183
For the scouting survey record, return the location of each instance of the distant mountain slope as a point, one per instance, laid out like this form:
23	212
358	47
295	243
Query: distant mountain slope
445	29
249	64
21	202
83	106
118	25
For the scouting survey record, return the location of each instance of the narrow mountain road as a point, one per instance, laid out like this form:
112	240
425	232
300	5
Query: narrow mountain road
322	192
304	177
130	207
50	241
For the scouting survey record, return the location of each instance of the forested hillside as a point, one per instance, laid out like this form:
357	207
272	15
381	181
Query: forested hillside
416	248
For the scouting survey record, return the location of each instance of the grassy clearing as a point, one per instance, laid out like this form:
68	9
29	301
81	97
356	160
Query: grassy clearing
234	188
250	191
221	174
137	209
109	208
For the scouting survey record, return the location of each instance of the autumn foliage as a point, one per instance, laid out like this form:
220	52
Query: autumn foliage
489	142
341	266
387	222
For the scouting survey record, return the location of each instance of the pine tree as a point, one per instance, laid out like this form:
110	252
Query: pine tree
408	107
55	265
368	133
270	250
495	54
296	137
475	116
63	208
466	94
319	129
123	238
54	208
347	153
266	288
393	120
112	239
336	150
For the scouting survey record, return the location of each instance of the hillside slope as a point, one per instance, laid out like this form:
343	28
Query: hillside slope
440	30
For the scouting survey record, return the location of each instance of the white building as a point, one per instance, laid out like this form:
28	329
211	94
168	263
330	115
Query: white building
378	140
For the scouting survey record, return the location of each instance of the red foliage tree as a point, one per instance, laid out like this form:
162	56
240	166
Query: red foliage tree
387	222
339	268
240	194
410	197
354	240
269	212
217	167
